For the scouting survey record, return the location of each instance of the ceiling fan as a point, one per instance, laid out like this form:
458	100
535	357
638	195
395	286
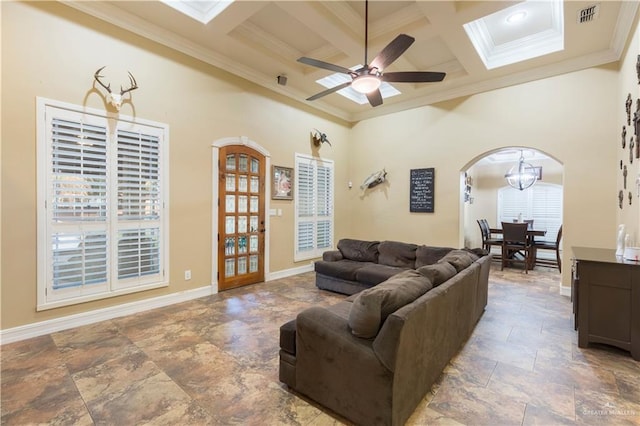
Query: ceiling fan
367	79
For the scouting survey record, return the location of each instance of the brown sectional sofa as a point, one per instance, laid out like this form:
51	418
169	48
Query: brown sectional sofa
358	265
372	357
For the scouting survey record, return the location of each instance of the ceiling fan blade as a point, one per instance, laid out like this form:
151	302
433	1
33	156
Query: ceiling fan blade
329	91
375	98
392	51
324	65
413	77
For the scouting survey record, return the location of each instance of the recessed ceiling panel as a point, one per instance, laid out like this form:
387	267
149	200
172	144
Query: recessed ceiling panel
427	54
278	24
379	9
500	39
523	20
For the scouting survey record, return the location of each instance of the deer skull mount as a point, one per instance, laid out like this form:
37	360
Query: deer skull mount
115	99
319	138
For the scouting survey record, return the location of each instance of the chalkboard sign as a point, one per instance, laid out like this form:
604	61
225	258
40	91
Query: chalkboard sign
421	190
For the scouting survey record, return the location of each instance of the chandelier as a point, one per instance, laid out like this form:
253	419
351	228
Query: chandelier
522	175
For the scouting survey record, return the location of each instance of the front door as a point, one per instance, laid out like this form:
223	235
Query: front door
241	216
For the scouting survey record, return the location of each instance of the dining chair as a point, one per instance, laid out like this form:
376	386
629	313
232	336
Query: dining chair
515	241
527	221
487	240
545	245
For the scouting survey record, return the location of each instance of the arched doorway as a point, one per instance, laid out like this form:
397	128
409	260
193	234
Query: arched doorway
482	180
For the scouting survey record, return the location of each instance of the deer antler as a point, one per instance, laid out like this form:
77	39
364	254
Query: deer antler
97	77
133	83
115	99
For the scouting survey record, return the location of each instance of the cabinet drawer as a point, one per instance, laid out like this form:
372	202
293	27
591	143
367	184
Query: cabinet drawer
605	275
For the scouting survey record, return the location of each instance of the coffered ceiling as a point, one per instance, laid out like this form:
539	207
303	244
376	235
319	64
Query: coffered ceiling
473	42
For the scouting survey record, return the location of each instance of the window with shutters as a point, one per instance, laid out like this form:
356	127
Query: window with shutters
542	203
102	226
314	207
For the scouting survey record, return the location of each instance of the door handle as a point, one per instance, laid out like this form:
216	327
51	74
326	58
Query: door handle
262	230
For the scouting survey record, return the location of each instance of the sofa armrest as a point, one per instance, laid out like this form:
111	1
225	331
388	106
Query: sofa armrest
332	256
339	370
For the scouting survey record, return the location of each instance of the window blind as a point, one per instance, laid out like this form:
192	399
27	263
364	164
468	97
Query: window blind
102	226
314	207
542	203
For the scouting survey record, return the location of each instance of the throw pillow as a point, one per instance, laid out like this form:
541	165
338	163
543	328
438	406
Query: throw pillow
460	259
395	253
358	250
438	272
427	255
478	251
372	306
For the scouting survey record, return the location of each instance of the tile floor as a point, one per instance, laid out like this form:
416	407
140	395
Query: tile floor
215	361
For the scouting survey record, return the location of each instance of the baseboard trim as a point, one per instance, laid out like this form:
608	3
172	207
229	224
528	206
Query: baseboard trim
565	290
289	272
28	331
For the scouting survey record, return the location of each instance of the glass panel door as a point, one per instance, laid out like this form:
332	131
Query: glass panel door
241	217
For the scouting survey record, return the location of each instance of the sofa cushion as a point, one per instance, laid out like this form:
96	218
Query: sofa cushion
374	273
438	272
459	259
358	250
372	306
344	269
395	253
427	255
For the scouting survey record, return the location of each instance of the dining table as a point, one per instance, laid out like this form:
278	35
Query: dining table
531	234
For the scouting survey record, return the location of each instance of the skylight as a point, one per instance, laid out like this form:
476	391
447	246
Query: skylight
500	39
201	10
333	80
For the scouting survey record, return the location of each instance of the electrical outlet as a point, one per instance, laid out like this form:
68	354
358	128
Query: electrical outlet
187	274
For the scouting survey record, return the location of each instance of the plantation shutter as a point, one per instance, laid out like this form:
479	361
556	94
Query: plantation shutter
138	204
101	198
542	203
78	204
314	207
325	207
511	203
546	209
305	207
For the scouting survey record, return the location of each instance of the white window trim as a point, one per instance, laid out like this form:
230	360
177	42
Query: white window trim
316	252
113	289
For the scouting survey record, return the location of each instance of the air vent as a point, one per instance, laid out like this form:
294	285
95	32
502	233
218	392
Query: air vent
588	14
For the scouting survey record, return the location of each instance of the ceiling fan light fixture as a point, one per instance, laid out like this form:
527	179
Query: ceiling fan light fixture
366	83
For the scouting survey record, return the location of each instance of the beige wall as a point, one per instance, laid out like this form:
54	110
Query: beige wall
573	117
52	51
569	117
629	215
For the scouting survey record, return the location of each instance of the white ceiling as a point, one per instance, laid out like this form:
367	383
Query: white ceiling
259	40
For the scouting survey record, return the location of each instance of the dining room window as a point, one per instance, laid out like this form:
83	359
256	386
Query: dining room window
541	203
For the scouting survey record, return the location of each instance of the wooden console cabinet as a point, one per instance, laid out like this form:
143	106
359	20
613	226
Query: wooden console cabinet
606	299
